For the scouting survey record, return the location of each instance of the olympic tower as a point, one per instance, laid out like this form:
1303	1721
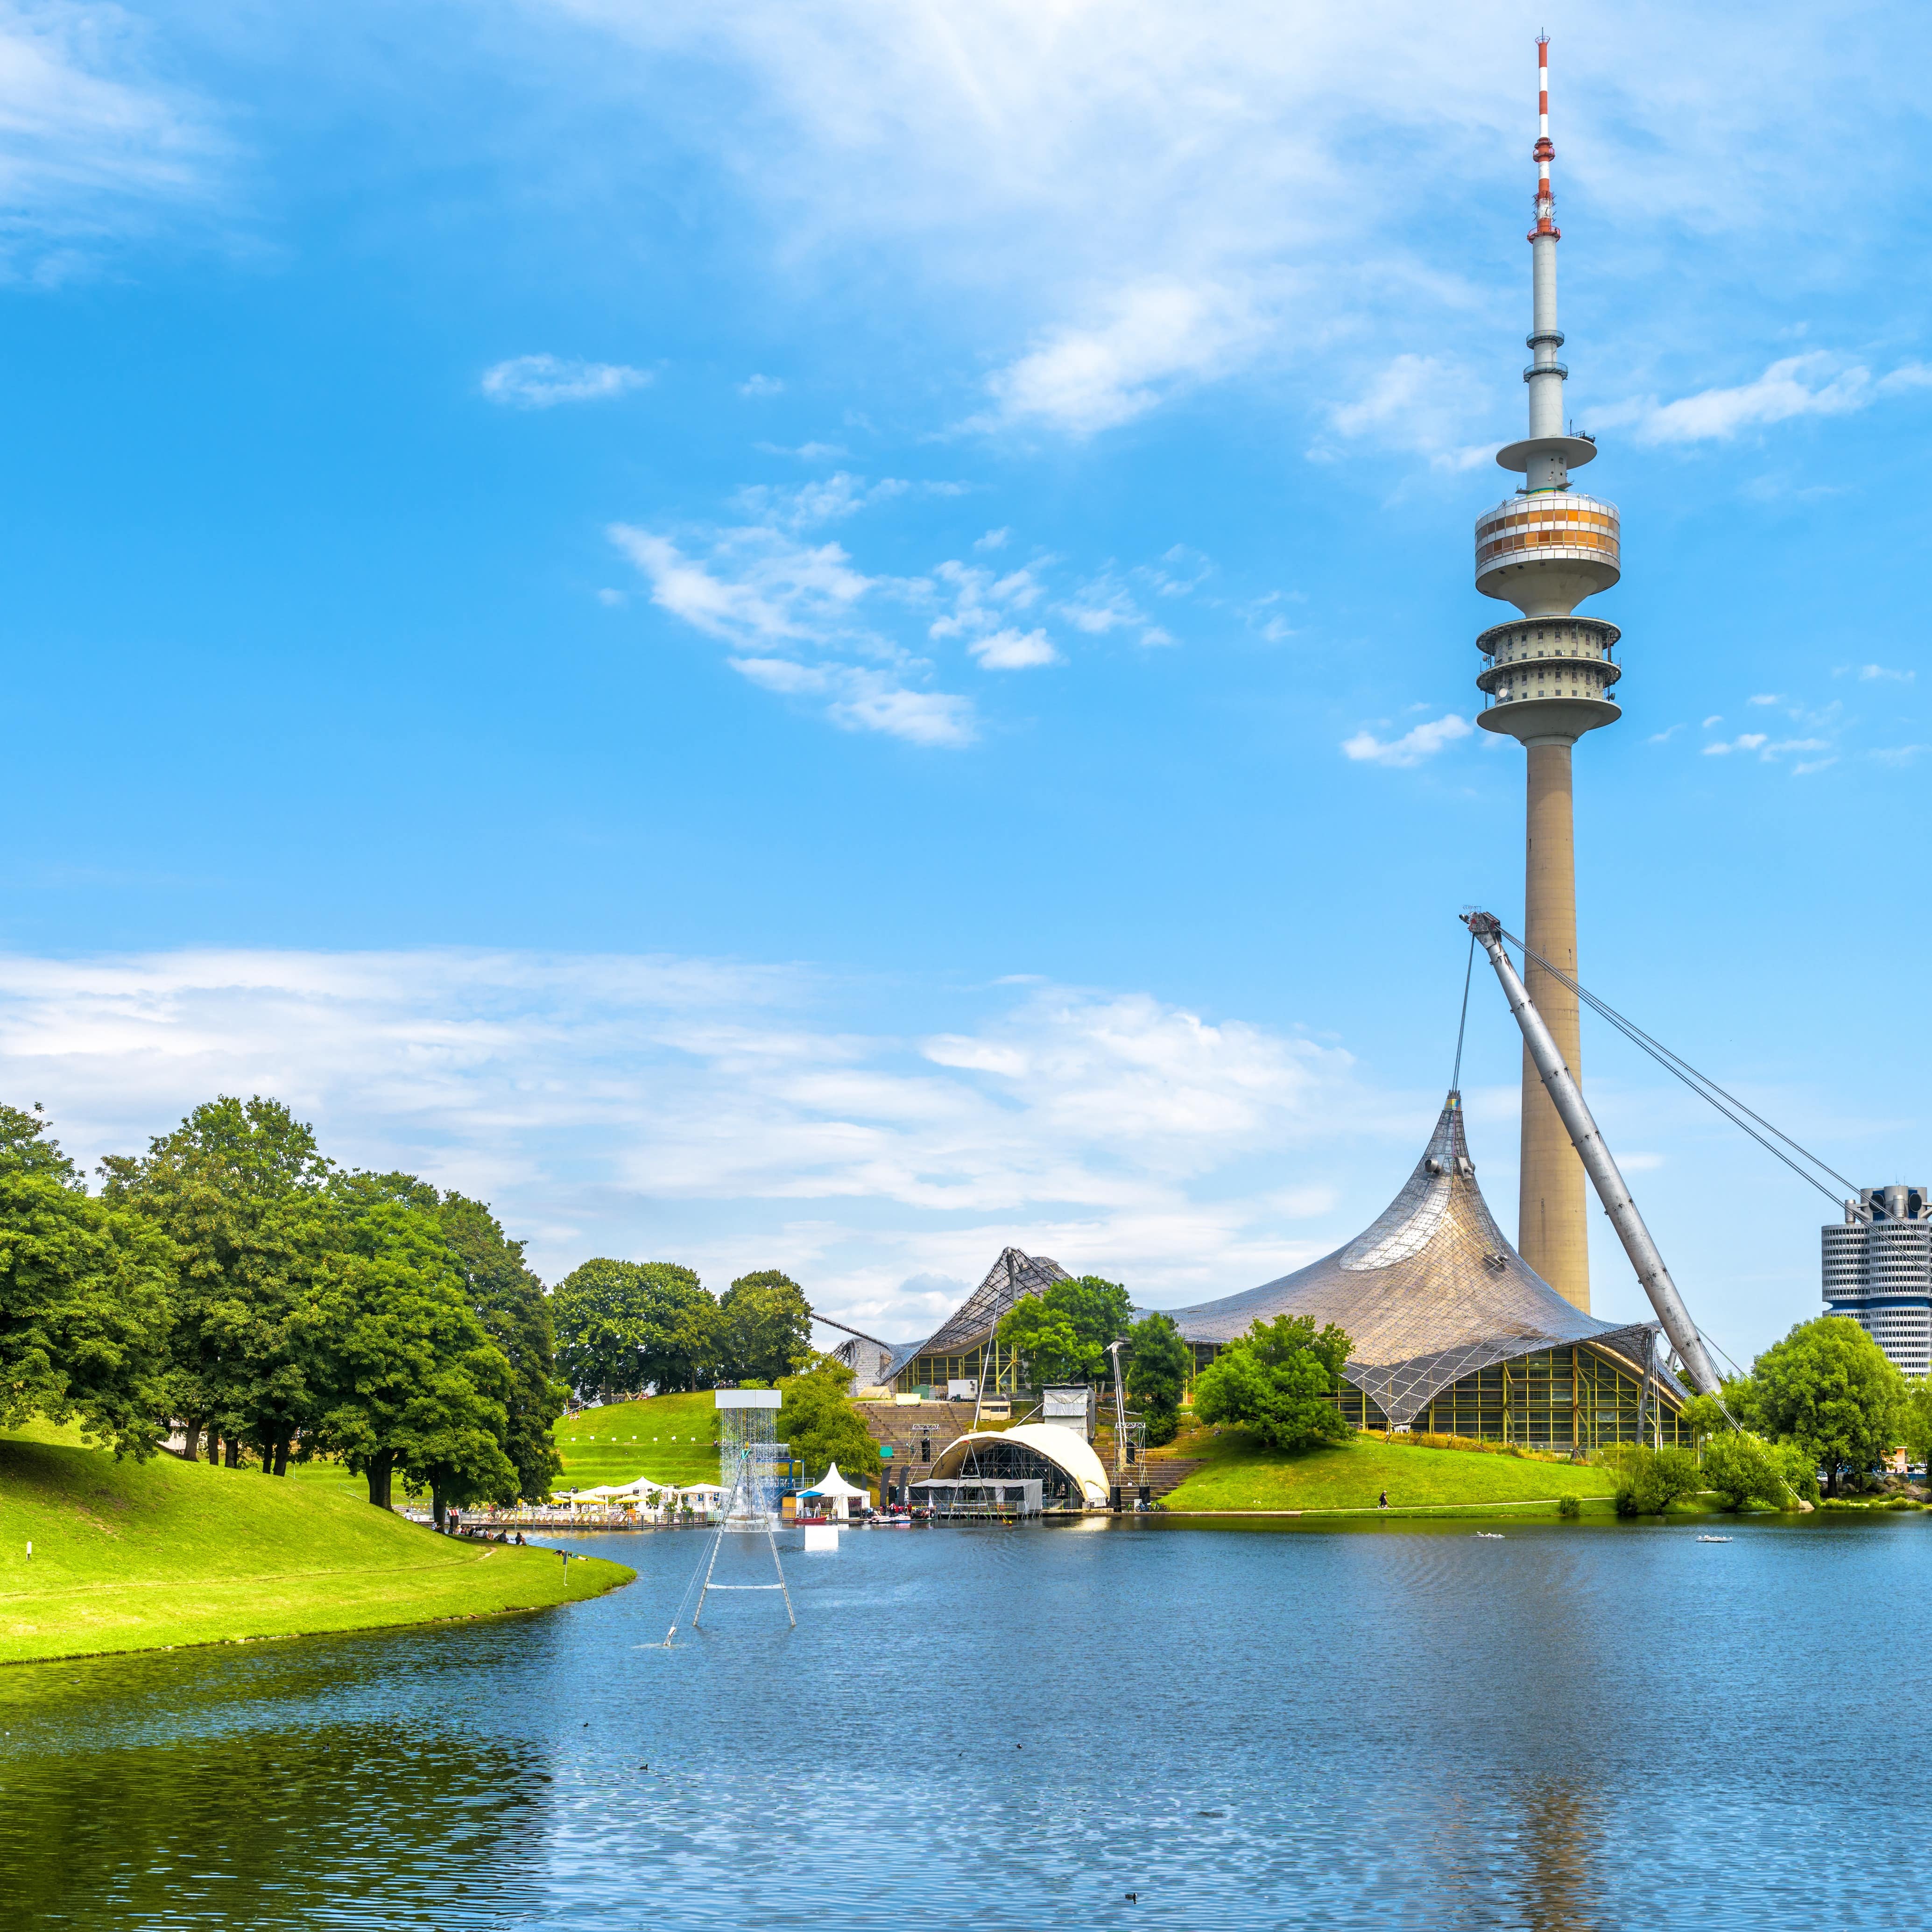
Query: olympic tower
1547	676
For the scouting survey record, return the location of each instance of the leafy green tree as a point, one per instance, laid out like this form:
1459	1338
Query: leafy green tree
416	1387
1063	1332
84	1293
820	1423
625	1325
26	1146
764	1327
1915	1420
1157	1373
1744	1468
237	1188
1649	1481
1828	1387
1277	1380
514	1309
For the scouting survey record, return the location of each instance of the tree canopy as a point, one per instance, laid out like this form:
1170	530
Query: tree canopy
819	1421
1063	1332
1277	1380
1830	1389
764	1329
416	1385
240	1190
1157	1372
624	1326
84	1313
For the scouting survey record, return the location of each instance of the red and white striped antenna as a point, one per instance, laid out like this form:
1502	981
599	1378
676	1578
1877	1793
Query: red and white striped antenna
1545	150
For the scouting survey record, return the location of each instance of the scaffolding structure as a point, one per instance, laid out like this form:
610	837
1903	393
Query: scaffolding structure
748	1470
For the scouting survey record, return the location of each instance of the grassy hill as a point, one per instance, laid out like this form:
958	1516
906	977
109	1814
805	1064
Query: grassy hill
670	1438
1242	1474
139	1556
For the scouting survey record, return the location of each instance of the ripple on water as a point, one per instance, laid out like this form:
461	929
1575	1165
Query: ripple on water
1016	1729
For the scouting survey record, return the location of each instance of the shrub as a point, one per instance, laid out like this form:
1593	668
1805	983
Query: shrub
1649	1481
1569	1508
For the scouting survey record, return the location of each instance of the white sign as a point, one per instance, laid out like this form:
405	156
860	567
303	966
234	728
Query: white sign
821	1536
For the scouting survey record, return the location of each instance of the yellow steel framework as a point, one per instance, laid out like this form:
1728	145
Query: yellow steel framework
1567	1398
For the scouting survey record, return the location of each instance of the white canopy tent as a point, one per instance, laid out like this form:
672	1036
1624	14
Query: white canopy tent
836	1493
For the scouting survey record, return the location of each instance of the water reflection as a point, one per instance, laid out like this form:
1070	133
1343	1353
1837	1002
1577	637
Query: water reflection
1014	1728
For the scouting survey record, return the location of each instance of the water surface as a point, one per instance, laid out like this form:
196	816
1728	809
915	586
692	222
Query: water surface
1577	1725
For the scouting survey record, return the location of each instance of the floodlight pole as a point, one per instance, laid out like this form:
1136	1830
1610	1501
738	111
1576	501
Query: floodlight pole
1114	1349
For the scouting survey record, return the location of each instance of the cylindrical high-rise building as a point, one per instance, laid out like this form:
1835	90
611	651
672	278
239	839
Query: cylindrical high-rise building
1547	676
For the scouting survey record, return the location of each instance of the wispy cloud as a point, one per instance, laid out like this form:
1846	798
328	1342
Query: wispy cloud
1421	404
542	382
1872	674
1424	742
1081	379
725	1113
1897	754
761	385
1816	383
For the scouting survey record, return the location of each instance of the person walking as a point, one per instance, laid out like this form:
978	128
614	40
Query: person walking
1383	1503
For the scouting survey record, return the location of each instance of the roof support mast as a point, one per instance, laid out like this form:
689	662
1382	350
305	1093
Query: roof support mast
1568	1099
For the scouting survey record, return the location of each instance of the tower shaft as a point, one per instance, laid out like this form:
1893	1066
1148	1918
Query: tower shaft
1547	677
1553	1226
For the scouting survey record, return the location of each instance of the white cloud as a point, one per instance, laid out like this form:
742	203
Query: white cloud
1013	650
542	382
1715	718
1872	674
792	613
1422	404
1765	697
829	499
1157	335
761	385
1897	754
1412	747
992	540
99	148
1816	383
728	1114
1748	741
1664	737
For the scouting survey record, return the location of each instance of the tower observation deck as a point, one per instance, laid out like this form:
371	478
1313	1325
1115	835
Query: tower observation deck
1547	677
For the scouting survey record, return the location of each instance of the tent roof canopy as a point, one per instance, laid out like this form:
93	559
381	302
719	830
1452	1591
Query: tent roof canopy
834	1484
1429	1292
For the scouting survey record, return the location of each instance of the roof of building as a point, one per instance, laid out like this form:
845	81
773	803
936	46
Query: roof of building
1067	1448
1429	1292
1013	1275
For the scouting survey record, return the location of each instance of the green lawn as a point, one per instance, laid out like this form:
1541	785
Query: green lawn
1241	1474
670	1438
140	1556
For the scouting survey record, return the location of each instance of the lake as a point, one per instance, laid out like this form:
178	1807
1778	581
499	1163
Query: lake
1402	1725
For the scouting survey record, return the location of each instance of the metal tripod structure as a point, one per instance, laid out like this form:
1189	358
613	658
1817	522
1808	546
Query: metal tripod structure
746	1504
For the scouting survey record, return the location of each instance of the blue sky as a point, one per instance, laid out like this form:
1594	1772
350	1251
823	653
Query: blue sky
827	637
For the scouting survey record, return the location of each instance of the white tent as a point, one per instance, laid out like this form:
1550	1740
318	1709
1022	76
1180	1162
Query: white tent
836	1492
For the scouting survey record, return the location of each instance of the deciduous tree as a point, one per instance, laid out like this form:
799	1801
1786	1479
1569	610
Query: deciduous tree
514	1309
1157	1373
1063	1332
764	1327
84	1293
237	1189
1828	1387
1277	1380
625	1325
821	1425
416	1387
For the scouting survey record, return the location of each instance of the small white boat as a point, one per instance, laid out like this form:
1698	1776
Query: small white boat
1713	1539
1490	1535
